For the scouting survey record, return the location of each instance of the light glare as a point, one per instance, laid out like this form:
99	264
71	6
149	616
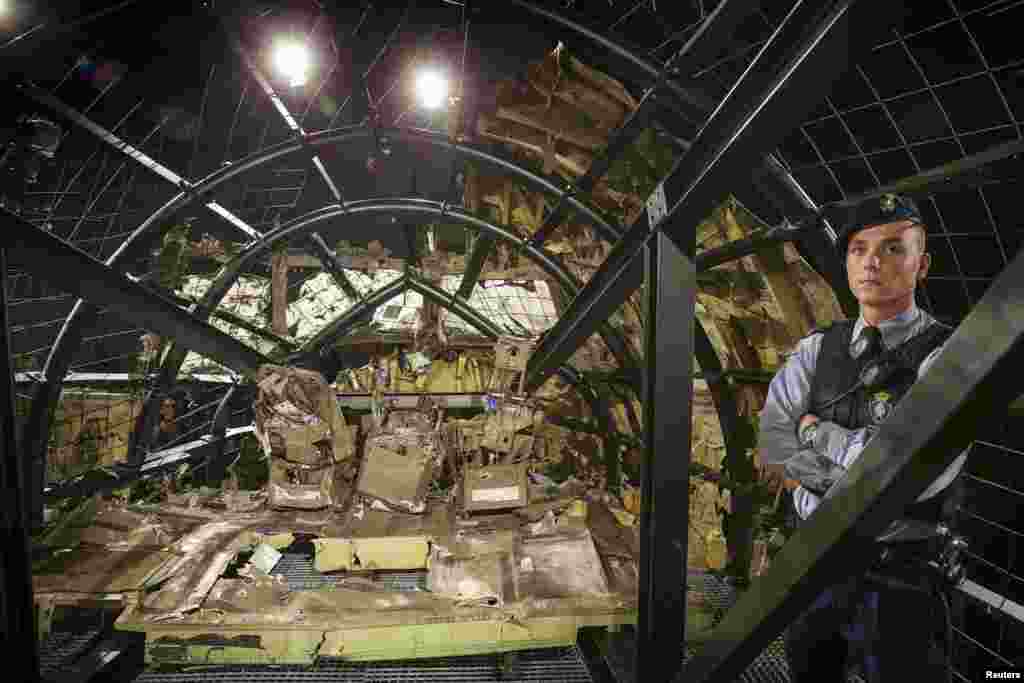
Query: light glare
432	89
292	61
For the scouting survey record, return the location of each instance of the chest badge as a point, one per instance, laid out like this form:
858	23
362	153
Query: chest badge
880	406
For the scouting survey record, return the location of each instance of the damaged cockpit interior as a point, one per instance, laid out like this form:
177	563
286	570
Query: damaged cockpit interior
434	340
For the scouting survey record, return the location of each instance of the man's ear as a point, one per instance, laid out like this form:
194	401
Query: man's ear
926	262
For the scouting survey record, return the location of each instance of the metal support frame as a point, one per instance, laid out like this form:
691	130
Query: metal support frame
320	248
156	463
437	211
670	298
47	395
782	83
695	106
16	602
46	99
938	417
330	263
717	28
357	315
481	250
66	266
455	305
975	170
815	246
216	463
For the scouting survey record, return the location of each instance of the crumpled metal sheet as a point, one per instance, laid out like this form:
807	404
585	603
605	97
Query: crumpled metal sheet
246	595
205	554
119	529
500	428
560	566
398	466
301	430
485	579
371	554
96	569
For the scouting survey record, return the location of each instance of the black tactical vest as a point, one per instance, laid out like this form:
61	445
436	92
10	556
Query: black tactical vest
838	396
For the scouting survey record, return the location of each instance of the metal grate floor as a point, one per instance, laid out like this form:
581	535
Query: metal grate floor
297	569
771	665
550	665
60	649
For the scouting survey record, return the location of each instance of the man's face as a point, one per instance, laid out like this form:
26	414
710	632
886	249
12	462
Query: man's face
884	263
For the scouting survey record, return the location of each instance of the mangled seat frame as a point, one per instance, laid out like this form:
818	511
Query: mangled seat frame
303	435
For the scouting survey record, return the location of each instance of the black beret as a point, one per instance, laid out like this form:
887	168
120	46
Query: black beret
889	208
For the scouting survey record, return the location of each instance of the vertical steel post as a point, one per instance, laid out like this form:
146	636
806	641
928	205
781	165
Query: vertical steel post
670	296
18	606
216	463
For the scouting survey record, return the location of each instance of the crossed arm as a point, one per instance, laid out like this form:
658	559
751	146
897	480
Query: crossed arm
808	472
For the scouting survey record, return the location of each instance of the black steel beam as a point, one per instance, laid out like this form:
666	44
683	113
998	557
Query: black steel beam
359	314
996	164
60	354
455	305
35	434
716	29
482	245
59	360
737	249
282	109
71	269
156	463
815	246
589	640
429	211
694	105
16	603
217	462
353	135
46	99
144	429
330	263
948	407
670	297
621	139
800	62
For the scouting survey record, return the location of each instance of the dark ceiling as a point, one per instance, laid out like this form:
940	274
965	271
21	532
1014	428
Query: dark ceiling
943	86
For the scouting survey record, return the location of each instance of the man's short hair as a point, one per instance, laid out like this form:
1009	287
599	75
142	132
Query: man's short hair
889	208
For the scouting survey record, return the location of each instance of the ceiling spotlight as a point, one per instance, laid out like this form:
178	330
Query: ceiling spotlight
292	61
432	89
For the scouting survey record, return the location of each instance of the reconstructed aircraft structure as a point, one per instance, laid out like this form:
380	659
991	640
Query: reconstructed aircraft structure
438	349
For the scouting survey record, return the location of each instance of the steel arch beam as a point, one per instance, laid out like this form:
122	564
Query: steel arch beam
696	105
455	305
568	374
349	319
59	358
408	136
73	270
775	181
427	209
779	83
365	308
47	395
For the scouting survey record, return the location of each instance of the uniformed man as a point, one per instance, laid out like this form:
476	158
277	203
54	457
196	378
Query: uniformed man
837	387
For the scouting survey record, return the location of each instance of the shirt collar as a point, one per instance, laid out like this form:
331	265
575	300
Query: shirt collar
896	329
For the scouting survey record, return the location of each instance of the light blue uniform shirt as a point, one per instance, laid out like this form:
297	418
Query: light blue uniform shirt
836	448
